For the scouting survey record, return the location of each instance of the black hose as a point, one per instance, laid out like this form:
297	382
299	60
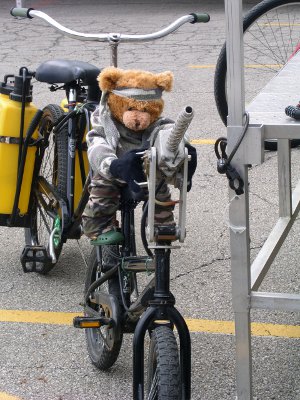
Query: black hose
237	145
143	230
99	282
23	105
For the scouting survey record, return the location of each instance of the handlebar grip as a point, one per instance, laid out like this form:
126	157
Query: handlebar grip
200	18
293	112
180	127
21	12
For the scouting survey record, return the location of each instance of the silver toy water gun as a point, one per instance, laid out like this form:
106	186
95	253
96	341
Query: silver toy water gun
168	159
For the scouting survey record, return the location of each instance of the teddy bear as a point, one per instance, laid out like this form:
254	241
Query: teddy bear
127	119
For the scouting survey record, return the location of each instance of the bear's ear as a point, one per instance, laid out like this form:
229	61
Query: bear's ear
109	77
165	80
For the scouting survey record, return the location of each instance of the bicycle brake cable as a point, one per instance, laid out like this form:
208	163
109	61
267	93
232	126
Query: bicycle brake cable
224	166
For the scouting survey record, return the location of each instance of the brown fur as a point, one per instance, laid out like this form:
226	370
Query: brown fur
112	78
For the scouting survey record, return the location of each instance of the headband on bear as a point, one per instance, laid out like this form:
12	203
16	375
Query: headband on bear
138	93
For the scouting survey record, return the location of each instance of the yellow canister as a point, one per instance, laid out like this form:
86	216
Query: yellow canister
10	120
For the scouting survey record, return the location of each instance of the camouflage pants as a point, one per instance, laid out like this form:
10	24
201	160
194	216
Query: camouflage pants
100	212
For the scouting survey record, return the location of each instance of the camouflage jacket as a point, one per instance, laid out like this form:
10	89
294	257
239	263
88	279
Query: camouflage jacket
109	139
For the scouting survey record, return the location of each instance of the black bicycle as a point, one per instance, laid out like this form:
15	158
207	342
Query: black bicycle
271	38
113	304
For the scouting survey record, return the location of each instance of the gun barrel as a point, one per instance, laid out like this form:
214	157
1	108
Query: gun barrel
182	123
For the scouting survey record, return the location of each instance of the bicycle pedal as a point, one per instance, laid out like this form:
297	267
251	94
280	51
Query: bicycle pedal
34	254
91	322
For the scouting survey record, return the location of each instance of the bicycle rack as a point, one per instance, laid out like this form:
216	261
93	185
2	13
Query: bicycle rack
246	279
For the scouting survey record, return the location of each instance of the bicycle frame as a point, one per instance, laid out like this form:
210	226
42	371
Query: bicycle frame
161	308
72	217
72	98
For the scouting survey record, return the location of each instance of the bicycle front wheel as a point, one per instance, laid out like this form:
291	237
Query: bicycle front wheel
54	169
271	38
163	366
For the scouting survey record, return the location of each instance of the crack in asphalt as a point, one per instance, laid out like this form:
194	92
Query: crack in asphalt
207	264
263	199
201	266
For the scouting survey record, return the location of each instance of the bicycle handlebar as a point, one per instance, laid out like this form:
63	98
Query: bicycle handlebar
109	37
200	18
180	127
21	12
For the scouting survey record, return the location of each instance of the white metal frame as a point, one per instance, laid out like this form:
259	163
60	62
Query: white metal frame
20	3
247	278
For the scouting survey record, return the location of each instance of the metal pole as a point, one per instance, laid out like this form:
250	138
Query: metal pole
284	178
114	40
239	205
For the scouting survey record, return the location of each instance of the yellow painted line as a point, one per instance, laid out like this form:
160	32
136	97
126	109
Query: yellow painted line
5	396
210	326
195	325
257	328
261	66
203	141
261	329
37	317
203	66
256	66
278	24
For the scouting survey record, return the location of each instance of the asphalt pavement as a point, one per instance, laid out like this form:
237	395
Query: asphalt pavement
48	361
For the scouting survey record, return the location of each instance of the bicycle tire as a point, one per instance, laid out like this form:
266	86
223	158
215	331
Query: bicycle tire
54	169
103	357
262	20
164	381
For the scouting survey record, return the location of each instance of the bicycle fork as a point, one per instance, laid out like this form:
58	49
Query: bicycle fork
162	309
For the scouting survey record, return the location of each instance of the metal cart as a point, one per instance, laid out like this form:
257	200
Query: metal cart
247	278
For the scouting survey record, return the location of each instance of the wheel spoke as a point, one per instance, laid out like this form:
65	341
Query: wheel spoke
103	340
268	44
271	38
43	217
154	387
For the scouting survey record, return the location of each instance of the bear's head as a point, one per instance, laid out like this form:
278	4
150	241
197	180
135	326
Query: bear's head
134	96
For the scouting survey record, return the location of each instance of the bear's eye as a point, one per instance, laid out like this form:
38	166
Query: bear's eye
130	108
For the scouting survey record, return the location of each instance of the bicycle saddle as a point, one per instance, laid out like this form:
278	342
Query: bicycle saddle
66	71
